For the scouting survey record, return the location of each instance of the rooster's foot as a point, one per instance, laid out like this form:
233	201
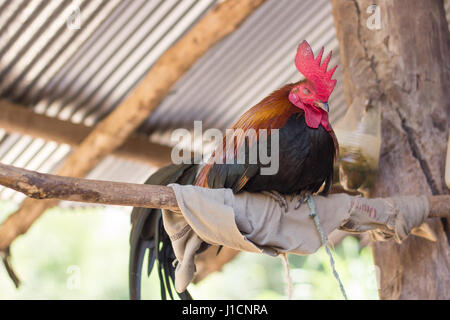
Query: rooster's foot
278	197
302	198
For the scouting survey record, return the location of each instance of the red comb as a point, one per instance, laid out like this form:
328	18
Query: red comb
314	71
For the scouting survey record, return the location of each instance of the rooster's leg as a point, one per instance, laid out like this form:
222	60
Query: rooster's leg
278	197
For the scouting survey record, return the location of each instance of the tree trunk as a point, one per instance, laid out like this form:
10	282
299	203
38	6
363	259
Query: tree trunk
402	66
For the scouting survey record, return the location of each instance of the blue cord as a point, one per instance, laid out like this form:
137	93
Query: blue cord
313	214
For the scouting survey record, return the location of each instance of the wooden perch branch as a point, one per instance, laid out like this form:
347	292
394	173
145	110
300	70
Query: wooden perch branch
47	186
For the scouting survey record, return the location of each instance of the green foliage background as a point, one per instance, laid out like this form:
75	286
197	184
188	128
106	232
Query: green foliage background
82	253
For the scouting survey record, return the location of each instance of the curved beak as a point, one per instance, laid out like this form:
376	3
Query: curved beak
322	105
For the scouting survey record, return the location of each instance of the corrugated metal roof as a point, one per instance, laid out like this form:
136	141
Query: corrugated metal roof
82	74
248	65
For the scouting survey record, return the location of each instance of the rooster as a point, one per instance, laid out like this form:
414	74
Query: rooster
307	150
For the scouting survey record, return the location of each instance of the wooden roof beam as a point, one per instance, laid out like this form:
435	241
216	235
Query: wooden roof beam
15	118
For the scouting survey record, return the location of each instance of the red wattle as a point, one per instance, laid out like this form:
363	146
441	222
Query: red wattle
313	116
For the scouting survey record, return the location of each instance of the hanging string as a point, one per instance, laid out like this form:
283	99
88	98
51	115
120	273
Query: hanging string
313	214
288	279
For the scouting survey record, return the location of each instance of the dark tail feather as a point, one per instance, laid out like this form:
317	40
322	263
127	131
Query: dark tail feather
161	260
141	240
136	266
147	232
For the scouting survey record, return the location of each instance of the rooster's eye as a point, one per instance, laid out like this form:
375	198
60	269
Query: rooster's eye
306	91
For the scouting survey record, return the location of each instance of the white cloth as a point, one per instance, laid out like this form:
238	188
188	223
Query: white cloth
256	223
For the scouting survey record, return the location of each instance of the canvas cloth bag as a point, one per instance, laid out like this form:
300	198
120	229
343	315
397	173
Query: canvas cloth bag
256	223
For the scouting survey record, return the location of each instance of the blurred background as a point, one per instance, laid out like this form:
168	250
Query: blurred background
80	72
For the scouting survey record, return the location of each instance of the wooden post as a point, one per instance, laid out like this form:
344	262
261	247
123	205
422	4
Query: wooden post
397	56
111	132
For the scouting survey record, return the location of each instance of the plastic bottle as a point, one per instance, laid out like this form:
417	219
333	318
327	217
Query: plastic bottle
359	137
